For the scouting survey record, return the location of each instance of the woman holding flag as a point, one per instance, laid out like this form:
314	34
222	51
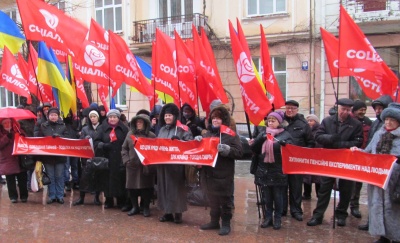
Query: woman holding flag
218	181
269	175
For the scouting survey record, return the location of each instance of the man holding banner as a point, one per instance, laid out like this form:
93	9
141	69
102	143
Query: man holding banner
337	132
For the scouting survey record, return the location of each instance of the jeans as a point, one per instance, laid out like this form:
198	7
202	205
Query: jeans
22	185
56	187
73	163
273	196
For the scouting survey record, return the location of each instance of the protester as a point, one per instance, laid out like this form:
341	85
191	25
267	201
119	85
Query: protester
171	194
189	118
269	175
108	144
102	113
313	122
218	181
72	124
88	176
302	136
337	132
43	118
139	179
358	112
54	165
384	215
154	119
9	164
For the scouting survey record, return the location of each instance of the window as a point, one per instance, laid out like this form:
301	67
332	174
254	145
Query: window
120	97
372	5
12	14
171	8
279	68
109	14
262	7
60	5
7	98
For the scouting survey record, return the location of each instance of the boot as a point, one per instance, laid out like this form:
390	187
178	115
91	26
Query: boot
81	199
382	240
145	200
267	223
178	218
109	202
214	224
226	225
133	199
133	211
96	199
277	223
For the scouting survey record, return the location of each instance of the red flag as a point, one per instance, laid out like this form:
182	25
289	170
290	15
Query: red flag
23	66
164	71
255	102
124	66
103	93
99	36
185	73
184	127
44	22
269	80
11	77
80	91
113	136
270	137
356	52
227	130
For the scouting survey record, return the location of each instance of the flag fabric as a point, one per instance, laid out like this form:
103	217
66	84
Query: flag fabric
356	53
184	127
103	93
10	34
255	101
270	137
124	67
99	36
44	22
11	77
227	130
77	84
23	66
185	74
271	84
51	73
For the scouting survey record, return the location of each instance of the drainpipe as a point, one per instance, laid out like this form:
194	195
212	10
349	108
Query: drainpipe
311	61
322	99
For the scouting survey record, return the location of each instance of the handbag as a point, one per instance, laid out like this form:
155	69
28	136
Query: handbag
97	163
26	162
45	179
253	164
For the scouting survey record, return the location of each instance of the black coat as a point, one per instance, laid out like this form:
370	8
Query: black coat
112	181
270	174
350	131
300	130
49	128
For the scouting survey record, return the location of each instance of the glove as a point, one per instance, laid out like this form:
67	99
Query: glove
335	138
55	135
224	149
282	143
9	135
100	145
175	137
199	129
198	138
88	137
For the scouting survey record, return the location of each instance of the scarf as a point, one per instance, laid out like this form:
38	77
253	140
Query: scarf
268	145
385	143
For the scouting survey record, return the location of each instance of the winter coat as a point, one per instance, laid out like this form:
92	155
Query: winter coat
309	179
384	216
270	174
300	130
350	131
171	194
155	111
366	126
137	175
112	182
48	129
9	164
219	180
195	124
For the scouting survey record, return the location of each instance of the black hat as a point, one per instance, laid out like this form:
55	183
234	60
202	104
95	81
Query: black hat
292	102
101	108
345	102
54	110
358	104
46	104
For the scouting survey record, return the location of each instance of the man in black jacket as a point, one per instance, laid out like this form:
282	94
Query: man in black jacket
301	132
337	132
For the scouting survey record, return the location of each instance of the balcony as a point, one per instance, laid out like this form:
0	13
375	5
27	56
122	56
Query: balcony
144	31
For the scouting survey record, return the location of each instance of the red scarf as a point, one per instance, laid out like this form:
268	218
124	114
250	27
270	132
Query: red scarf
113	136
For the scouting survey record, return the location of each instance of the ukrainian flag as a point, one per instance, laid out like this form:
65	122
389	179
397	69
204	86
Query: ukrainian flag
10	34
51	73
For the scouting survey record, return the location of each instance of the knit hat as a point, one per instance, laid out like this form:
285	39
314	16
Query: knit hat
46	104
93	112
393	111
277	115
313	117
54	110
215	103
114	112
358	104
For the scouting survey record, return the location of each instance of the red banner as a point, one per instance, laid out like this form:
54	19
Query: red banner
373	169
166	151
53	146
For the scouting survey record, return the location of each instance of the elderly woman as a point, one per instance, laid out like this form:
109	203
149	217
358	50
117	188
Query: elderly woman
9	165
171	194
54	165
218	181
86	184
139	181
384	216
108	144
269	173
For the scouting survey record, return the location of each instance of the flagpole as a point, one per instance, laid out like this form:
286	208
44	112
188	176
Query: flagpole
109	71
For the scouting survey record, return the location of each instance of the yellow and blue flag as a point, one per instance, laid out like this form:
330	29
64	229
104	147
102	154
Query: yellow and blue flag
10	34
51	73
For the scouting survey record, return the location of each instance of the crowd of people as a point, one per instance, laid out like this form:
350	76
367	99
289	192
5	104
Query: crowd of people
130	186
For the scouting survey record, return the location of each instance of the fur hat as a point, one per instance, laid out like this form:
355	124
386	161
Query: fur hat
220	111
393	111
358	104
54	110
313	117
93	112
169	108
114	112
